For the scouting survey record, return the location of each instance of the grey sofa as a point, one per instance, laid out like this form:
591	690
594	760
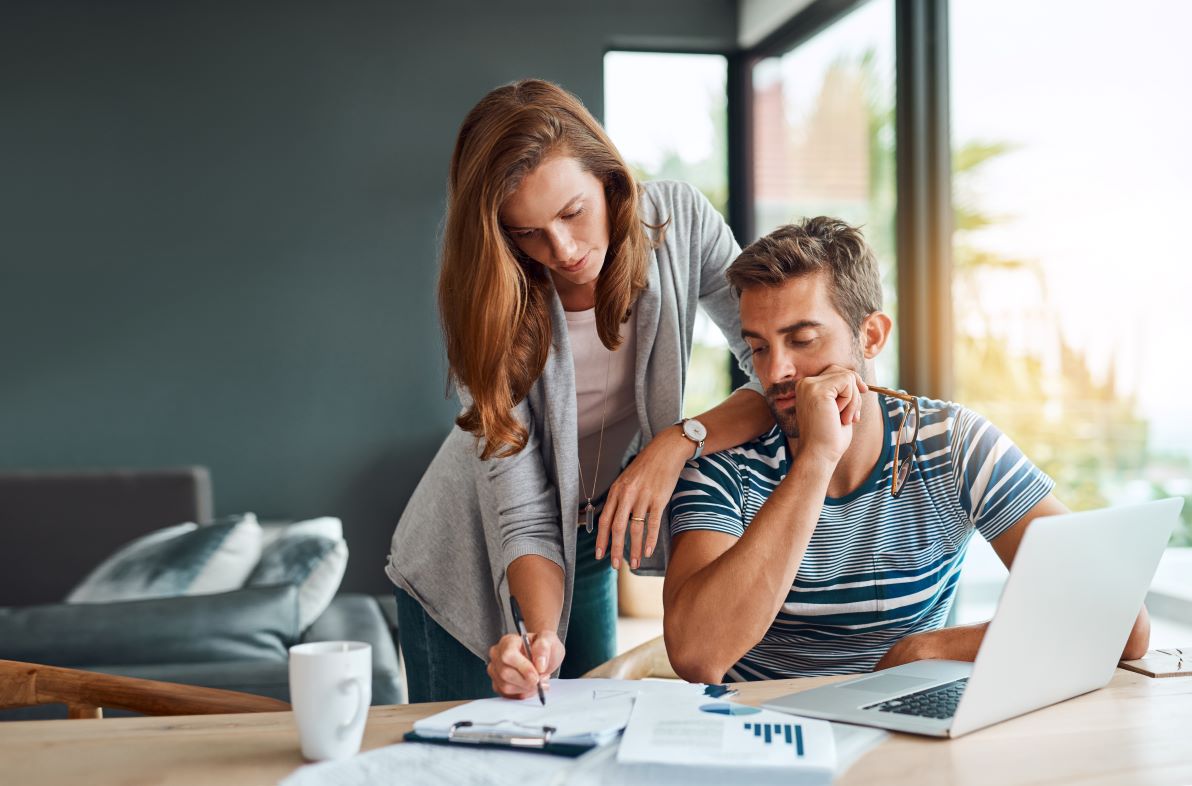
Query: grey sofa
54	527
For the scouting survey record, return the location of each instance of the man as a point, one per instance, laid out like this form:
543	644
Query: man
801	552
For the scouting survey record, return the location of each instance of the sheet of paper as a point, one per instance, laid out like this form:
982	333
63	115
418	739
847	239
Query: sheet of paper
577	709
600	767
1169	662
703	732
412	764
853	742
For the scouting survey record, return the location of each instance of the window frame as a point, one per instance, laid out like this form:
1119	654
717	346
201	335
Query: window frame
923	173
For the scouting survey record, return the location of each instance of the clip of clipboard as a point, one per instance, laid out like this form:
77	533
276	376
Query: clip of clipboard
535	740
466	731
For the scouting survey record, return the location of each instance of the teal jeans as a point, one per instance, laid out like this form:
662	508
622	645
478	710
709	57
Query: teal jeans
439	668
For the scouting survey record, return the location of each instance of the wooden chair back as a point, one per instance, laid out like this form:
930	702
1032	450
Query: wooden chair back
645	660
85	693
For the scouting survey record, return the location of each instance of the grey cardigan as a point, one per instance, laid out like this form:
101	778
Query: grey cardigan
469	519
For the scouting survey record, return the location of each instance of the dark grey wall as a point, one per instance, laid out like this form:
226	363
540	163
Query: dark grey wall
218	229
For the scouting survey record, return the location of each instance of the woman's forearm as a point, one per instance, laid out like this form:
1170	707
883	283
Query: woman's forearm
642	492
738	419
537	583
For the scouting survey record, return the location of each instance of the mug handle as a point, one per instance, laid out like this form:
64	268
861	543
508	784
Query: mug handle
358	713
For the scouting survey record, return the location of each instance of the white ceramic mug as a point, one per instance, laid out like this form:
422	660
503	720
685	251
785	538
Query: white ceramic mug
330	689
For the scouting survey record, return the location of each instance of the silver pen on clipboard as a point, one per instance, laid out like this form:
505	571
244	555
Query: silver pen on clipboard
520	623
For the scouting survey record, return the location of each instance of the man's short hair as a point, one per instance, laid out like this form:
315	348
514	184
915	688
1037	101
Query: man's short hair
810	246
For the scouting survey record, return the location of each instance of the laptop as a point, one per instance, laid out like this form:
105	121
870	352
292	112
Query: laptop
1065	613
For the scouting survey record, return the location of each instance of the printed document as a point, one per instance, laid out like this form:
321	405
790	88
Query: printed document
582	712
699	739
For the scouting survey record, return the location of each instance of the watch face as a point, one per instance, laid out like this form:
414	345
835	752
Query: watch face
694	430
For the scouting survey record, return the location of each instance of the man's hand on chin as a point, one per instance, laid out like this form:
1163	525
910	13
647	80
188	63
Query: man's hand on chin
829	404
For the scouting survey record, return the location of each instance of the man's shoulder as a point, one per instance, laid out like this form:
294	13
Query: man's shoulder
949	418
763	453
939	408
938	418
713	489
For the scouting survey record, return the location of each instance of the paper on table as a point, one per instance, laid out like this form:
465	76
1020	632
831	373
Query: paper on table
853	742
1170	662
704	736
600	767
581	711
412	764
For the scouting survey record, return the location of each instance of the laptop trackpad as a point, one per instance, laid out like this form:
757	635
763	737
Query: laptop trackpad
891	684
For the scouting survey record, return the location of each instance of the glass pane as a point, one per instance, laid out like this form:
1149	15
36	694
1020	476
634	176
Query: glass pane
677	133
668	115
823	118
1071	173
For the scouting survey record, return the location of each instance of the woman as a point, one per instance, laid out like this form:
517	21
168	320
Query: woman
567	296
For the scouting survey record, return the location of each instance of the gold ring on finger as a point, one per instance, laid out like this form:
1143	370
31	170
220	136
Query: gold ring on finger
637	518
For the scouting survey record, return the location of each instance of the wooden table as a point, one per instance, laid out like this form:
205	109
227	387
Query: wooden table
1137	731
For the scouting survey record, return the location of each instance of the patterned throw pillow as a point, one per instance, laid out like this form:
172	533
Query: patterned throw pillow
327	526
185	559
304	555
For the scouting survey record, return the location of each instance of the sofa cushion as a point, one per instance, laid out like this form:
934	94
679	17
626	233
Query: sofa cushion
312	562
181	560
327	526
250	623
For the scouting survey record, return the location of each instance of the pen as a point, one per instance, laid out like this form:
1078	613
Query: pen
520	624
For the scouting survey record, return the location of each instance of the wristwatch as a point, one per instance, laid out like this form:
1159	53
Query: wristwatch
694	431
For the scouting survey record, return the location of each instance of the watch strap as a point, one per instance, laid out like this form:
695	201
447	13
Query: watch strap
699	444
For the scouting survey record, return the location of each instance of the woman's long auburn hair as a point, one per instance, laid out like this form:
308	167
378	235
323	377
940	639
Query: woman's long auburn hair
494	301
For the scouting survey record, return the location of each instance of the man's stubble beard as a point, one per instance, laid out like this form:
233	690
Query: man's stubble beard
787	421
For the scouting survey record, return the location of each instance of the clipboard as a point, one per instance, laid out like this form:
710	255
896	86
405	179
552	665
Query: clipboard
466	733
581	715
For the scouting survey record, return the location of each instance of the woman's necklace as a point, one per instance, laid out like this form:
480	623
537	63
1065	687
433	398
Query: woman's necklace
590	509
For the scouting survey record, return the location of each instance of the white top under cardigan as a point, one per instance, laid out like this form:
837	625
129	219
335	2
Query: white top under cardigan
469	519
605	405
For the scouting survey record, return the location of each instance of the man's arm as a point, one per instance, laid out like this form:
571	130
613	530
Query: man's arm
962	642
722	593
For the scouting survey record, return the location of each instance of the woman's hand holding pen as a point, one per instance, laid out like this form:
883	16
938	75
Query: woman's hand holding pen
514	676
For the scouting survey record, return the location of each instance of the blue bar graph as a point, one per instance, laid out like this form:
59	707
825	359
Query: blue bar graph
779	734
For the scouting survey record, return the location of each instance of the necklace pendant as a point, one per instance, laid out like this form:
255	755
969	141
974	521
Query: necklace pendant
589	516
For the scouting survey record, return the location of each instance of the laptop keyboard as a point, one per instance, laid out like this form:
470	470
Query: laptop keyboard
938	701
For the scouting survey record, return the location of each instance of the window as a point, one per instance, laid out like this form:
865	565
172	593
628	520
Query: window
824	138
667	114
1071	166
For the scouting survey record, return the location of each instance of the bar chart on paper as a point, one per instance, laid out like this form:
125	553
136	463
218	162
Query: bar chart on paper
787	734
723	742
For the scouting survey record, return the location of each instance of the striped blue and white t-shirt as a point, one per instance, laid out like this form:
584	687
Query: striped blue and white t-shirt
877	568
